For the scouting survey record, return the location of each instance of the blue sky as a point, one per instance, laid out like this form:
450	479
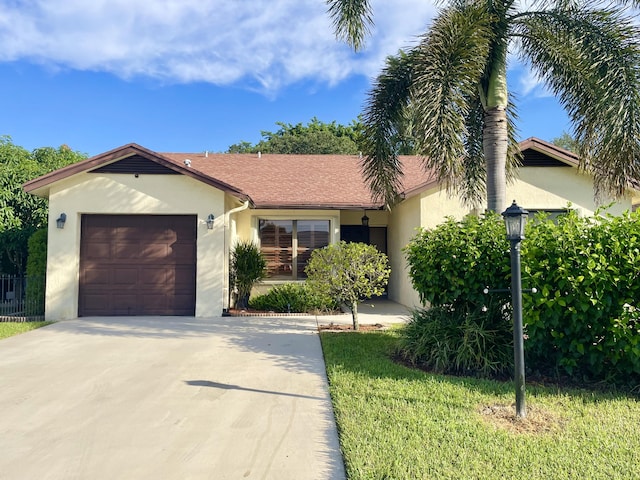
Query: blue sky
195	75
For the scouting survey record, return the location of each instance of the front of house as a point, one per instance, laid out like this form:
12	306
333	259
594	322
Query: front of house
149	233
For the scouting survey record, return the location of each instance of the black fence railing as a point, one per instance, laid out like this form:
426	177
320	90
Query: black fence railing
21	298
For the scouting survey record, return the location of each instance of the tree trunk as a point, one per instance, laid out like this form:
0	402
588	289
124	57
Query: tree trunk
354	315
495	143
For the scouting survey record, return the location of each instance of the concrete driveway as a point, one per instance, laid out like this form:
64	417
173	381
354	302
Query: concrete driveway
167	398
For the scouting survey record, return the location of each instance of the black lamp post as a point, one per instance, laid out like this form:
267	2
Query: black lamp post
515	219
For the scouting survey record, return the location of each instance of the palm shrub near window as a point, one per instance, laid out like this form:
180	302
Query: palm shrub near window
464	331
248	267
348	273
293	297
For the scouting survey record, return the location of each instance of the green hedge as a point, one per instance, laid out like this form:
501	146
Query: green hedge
36	272
292	297
584	321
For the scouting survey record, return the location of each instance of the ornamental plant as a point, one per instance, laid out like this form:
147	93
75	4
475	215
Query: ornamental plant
463	330
349	273
248	267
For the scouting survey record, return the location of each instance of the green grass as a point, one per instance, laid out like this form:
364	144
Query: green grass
399	423
8	329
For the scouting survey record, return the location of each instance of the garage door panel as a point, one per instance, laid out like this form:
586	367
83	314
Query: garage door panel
158	276
135	265
98	250
124	276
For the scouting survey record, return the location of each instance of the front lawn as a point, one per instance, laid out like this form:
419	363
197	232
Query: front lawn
399	423
8	329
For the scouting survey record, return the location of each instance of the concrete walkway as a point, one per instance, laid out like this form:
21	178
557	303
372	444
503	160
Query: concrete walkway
167	398
172	398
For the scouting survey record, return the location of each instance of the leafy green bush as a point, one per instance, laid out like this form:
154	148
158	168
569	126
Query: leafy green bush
293	297
584	322
453	263
248	267
348	273
455	341
36	272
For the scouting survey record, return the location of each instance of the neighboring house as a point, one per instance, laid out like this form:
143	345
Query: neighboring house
150	233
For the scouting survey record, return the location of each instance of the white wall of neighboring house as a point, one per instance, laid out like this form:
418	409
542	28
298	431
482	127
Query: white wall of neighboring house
88	193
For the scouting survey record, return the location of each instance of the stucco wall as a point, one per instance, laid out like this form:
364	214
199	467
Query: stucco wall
126	194
544	188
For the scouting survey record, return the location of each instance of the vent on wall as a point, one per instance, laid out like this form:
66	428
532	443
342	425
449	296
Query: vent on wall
532	158
135	164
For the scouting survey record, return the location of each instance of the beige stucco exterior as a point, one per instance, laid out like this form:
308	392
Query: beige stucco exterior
539	188
88	193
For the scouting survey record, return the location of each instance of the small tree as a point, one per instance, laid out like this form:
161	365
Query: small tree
349	273
248	267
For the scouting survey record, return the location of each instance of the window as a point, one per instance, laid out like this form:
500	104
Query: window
287	245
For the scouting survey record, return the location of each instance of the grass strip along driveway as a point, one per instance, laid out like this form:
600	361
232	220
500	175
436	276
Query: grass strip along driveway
400	423
8	329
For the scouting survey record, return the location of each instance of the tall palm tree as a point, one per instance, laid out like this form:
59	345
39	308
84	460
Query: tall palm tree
453	85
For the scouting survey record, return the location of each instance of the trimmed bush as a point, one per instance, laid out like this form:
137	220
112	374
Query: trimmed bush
293	297
585	321
348	273
36	272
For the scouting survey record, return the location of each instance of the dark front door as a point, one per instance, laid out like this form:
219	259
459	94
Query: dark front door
354	233
137	265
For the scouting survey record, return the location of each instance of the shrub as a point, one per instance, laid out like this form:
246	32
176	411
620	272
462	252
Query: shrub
584	321
293	297
36	272
455	341
248	267
455	261
348	273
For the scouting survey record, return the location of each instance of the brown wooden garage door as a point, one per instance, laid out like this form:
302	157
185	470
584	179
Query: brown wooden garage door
137	265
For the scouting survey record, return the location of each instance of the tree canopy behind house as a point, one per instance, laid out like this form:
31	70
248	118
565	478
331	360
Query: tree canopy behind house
21	213
315	137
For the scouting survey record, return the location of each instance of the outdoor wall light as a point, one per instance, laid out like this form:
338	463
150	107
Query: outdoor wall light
210	220
365	219
60	220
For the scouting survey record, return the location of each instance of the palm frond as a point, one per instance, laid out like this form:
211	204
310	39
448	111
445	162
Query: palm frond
383	121
591	60
351	20
449	64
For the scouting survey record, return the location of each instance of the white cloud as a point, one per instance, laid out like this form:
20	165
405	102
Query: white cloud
265	43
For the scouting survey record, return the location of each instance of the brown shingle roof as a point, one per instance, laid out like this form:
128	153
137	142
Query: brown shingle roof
296	181
280	181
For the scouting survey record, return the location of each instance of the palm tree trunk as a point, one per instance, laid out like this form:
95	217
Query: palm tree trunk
495	144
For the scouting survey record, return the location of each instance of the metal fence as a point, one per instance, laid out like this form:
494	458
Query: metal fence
21	298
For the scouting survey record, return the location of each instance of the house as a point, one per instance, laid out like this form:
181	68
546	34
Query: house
136	232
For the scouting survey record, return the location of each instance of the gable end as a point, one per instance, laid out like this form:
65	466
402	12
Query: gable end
135	164
533	158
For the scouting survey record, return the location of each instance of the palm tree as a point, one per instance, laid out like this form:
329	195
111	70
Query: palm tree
453	86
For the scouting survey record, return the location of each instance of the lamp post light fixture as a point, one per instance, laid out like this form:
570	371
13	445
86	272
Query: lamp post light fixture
210	220
60	221
515	218
365	219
